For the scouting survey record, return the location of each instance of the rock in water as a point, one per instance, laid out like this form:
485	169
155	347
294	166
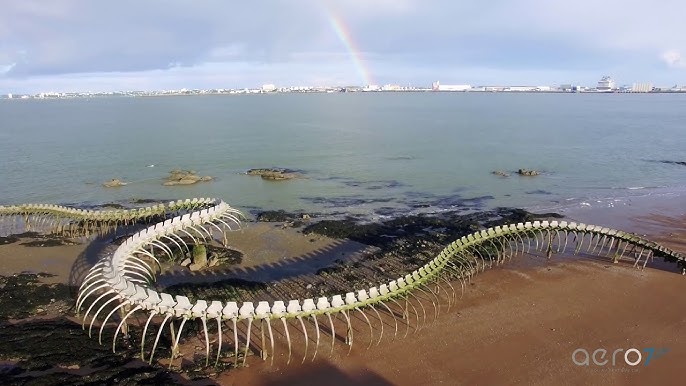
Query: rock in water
273	174
113	183
184	177
527	172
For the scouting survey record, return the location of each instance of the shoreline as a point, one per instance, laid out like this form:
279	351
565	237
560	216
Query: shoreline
581	209
487	303
313	90
633	215
338	196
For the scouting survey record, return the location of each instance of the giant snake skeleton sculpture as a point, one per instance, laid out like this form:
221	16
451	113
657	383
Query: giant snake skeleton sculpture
123	283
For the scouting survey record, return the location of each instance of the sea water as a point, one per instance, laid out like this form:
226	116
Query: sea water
371	154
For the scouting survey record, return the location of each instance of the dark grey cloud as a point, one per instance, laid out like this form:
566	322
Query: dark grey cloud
90	36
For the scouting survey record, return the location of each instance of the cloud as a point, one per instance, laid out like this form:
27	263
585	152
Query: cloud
202	76
371	9
5	68
134	36
673	59
398	40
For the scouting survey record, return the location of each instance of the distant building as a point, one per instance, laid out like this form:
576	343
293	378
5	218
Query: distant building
570	88
371	87
606	84
268	88
9	96
437	86
391	87
642	87
524	88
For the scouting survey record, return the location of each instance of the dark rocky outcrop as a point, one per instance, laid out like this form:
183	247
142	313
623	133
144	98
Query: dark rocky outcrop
281	216
273	174
8	240
53	349
145	201
112	205
24	295
404	243
421	230
275	216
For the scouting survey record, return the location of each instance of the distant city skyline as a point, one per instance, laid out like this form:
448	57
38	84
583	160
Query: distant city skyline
605	85
79	46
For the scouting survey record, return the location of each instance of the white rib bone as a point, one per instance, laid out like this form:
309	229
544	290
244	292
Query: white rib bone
117	275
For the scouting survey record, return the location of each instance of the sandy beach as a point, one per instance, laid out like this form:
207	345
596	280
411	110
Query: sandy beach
515	324
520	324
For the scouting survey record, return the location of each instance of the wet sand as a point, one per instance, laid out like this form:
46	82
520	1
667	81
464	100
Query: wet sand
520	327
260	243
520	324
517	324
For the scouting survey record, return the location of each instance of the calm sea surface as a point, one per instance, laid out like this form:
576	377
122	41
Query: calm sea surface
375	154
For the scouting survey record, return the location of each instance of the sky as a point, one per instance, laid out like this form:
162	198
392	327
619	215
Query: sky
82	45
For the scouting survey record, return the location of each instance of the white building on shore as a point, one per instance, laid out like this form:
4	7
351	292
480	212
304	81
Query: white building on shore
642	87
606	84
268	88
437	86
391	87
527	88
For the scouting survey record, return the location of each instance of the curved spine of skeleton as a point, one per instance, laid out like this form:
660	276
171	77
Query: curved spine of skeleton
104	216
126	277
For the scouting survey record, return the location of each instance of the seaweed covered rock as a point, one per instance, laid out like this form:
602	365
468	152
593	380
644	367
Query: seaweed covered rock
24	295
527	172
199	257
223	256
274	216
273	174
112	205
281	216
209	256
184	177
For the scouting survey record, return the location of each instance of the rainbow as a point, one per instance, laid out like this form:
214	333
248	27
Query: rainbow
343	33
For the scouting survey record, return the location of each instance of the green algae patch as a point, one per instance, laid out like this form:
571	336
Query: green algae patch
54	352
23	295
